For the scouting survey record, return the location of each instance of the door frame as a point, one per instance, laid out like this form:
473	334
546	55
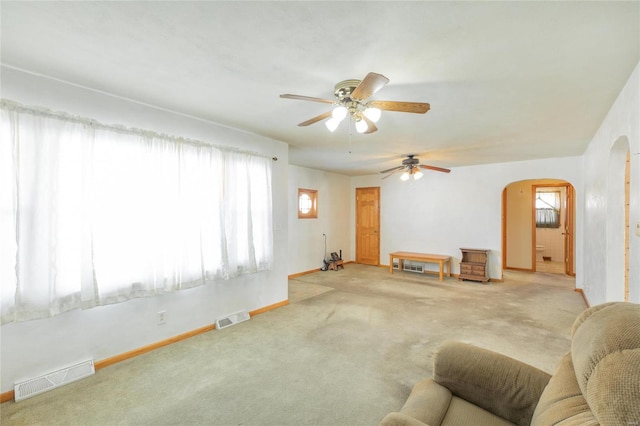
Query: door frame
569	227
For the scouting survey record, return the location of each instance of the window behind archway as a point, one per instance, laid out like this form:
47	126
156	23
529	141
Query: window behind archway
547	209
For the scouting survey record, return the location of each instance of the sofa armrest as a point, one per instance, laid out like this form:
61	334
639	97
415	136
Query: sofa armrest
400	419
499	384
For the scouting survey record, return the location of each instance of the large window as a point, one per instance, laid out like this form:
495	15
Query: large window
93	215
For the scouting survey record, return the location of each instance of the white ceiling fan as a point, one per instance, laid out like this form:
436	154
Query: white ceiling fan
351	99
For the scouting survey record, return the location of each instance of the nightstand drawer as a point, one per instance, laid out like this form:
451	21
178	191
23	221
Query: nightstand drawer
478	269
466	269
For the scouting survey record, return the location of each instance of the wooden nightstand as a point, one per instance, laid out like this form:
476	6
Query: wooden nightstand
473	265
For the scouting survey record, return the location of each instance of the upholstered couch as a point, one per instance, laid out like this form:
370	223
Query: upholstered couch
596	383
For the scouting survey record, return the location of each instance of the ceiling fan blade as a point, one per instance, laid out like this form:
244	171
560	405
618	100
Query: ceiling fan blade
437	169
307	98
316	119
393	173
371	127
370	85
415	107
393	168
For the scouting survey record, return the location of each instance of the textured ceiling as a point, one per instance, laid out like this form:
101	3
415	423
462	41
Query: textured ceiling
507	81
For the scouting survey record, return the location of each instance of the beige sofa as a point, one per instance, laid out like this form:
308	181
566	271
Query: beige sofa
596	383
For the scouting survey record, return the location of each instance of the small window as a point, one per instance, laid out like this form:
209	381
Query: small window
307	203
548	209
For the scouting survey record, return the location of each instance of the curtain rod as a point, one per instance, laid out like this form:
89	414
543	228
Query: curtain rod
10	105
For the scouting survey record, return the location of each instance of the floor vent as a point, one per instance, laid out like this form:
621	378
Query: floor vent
232	319
410	266
53	380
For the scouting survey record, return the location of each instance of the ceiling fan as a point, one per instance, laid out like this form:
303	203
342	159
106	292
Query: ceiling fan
411	166
351	98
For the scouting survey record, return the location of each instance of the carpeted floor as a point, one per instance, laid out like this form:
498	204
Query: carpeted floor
345	351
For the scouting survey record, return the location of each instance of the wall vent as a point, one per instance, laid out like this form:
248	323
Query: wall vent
46	382
232	319
411	266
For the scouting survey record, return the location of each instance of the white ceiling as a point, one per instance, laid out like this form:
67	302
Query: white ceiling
507	81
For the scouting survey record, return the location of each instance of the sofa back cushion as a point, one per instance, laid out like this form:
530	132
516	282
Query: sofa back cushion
605	351
598	382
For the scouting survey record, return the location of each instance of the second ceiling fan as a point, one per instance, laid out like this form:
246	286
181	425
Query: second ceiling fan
411	169
351	99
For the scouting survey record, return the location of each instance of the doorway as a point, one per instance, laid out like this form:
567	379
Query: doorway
553	228
368	226
538	226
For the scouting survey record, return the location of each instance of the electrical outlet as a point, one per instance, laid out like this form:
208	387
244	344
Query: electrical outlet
162	317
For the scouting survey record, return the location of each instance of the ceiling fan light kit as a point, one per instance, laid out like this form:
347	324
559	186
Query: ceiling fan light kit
339	113
332	124
351	100
373	114
361	126
414	173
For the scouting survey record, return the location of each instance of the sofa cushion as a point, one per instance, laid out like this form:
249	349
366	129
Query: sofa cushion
606	357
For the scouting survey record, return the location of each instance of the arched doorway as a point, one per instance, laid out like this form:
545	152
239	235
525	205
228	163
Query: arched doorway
618	226
627	225
538	226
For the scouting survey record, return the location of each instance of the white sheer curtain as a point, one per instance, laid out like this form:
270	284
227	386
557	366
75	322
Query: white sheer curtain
93	215
247	216
40	215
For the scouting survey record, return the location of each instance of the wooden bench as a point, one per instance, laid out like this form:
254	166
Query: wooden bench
441	260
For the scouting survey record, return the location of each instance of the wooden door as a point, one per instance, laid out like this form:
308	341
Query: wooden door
569	231
368	226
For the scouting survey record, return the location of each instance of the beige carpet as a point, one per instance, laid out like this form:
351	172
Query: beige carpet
345	351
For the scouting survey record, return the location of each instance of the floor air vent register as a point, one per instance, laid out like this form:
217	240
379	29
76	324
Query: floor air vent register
232	319
38	385
410	266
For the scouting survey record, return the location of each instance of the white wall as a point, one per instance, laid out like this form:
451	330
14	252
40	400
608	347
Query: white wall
306	243
604	223
441	213
34	347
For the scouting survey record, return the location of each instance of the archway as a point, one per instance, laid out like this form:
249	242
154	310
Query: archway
522	232
617	244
